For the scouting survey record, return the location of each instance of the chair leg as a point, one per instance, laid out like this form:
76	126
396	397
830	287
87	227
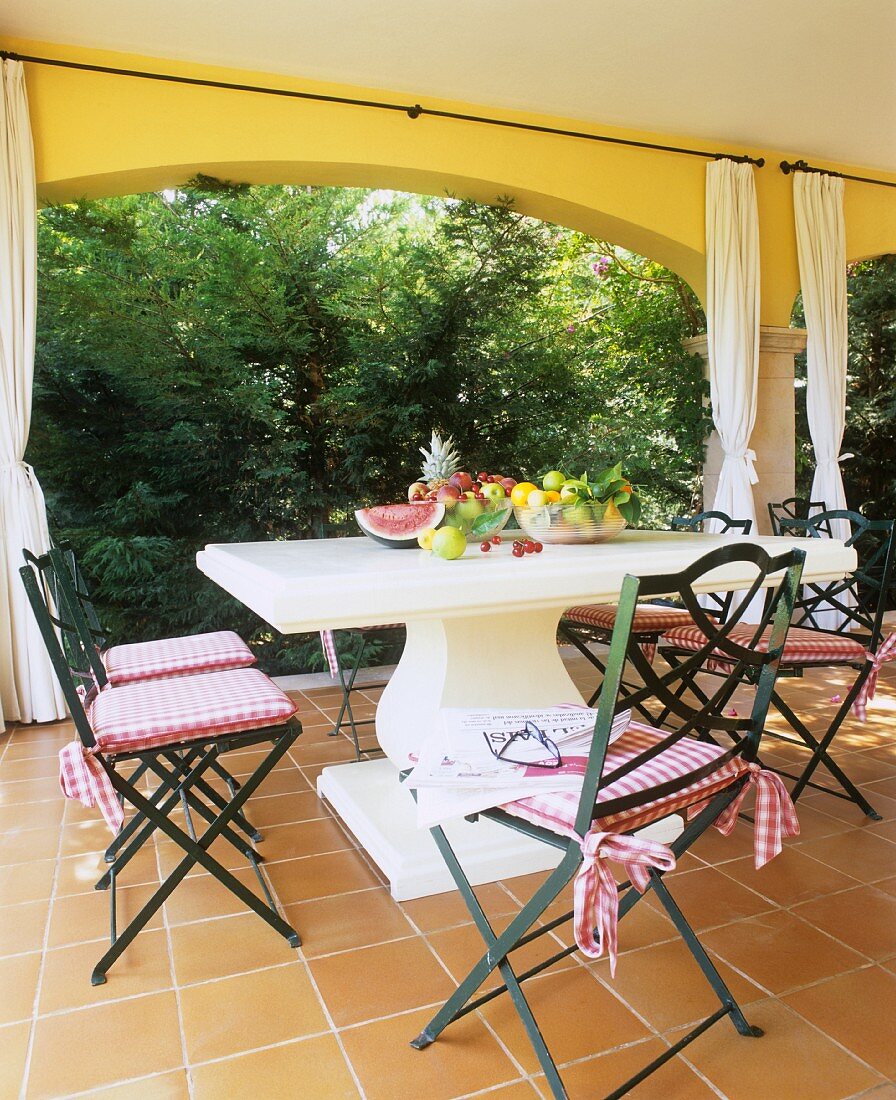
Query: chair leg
197	852
731	1007
820	753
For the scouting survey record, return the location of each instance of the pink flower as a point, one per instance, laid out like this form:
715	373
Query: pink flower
570	328
836	699
732	713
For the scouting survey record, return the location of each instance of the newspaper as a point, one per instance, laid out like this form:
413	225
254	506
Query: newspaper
459	773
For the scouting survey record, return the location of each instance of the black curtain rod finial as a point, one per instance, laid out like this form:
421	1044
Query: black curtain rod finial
415	112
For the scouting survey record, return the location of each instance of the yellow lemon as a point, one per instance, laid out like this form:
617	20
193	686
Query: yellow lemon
536	499
519	494
424	539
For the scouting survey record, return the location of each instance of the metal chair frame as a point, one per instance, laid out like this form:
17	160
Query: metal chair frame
861	598
62	563
799	508
579	635
703	721
181	769
347	684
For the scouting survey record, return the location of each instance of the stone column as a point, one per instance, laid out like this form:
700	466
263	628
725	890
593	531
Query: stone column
774	433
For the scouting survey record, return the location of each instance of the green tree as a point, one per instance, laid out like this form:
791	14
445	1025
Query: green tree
230	363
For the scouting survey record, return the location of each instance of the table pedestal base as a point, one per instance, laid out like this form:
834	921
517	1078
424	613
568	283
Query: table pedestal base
383	816
381	813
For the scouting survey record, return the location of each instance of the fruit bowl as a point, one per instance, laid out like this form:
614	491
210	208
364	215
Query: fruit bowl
478	519
568	523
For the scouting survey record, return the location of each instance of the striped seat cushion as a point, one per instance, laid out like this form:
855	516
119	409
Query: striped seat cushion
557	811
649	618
156	713
222	649
803	647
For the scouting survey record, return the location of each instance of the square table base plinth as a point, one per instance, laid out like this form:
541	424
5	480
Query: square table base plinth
382	814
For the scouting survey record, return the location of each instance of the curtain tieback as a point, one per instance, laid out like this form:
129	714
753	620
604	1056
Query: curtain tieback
595	893
28	470
885	652
748	457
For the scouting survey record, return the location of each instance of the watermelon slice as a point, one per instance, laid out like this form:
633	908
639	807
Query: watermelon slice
398	525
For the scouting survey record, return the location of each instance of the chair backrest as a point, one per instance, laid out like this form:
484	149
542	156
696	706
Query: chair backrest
62	639
699	521
685	714
82	592
794	508
860	597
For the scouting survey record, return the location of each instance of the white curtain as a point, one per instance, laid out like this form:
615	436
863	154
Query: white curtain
28	689
821	247
732	317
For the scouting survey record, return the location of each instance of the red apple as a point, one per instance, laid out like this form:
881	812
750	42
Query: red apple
461	480
508	483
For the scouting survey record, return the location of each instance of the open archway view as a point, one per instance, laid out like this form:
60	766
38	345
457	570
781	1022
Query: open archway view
230	363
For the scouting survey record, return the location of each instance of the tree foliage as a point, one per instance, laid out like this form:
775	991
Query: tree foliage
229	363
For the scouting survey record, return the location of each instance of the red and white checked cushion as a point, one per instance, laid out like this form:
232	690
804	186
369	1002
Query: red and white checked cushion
222	649
557	811
803	647
649	618
164	712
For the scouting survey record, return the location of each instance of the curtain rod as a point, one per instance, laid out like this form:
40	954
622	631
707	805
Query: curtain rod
412	111
801	166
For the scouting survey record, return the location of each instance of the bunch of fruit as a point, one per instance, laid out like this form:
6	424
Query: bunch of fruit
477	506
608	498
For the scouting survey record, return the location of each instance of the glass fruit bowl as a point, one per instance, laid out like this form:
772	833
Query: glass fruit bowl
478	519
566	523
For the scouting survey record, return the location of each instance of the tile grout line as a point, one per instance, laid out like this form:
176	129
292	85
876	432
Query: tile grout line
173	972
26	1069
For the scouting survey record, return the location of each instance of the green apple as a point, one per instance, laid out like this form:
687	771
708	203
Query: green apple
468	507
493	490
449	543
553	481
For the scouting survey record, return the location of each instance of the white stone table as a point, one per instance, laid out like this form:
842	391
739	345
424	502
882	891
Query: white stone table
480	631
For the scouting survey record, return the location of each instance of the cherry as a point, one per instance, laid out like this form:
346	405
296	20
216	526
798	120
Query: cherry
517	551
529	548
485	547
476	486
418	496
496	539
480	496
538	548
482	476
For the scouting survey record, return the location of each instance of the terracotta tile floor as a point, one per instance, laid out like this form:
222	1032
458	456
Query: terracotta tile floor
211	1003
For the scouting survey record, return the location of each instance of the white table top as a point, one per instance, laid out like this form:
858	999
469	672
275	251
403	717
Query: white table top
318	583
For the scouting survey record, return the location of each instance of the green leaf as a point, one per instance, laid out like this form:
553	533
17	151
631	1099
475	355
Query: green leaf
488	523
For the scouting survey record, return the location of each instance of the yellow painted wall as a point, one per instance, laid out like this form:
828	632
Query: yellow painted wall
98	135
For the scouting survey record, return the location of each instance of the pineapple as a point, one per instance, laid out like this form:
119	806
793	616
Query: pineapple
439	462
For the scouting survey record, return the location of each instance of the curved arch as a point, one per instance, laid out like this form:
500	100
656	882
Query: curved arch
675	255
